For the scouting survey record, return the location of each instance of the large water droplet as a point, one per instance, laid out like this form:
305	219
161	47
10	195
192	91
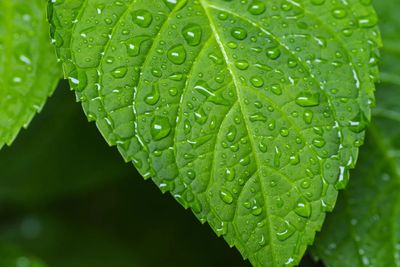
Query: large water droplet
257	8
286	230
192	34
308	99
231	135
226	196
303	208
230	174
273	53
142	17
177	54
133	45
119	73
154	96
239	33
160	128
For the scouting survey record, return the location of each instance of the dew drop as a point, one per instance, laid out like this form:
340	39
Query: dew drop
303	208
142	17
257	81
257	8
177	54
242	64
339	13
286	230
319	142
226	196
160	128
230	174
308	116
119	73
308	99
231	135
192	34
239	33
256	211
273	53
154	96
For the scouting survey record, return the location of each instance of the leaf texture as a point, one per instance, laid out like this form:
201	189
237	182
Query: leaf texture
29	71
249	112
366	221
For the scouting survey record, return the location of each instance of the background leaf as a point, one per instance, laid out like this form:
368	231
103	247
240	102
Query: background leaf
12	257
29	72
366	221
240	116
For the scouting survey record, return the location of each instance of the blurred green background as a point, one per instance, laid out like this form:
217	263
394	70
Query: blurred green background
70	200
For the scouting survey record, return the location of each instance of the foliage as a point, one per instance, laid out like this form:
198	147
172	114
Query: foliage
28	68
233	113
250	113
367	217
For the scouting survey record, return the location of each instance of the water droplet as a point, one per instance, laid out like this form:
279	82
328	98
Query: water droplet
308	116
119	73
257	8
343	179
231	135
368	21
242	64
294	159
257	81
273	53
226	196
319	142
192	34
200	116
263	146
230	174
258	117
339	13
308	99
359	122
177	54
154	96
277	157
286	230
187	127
191	174
239	33
142	17
160	128
256	211
276	89
284	132
303	208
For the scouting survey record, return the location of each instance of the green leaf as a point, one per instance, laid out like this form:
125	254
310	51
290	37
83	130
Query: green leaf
364	229
29	72
249	113
11	256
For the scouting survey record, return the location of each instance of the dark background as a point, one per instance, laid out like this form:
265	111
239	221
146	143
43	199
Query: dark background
68	198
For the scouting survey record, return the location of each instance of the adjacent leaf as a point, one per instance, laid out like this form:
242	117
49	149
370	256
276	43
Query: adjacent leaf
29	72
249	113
13	257
366	221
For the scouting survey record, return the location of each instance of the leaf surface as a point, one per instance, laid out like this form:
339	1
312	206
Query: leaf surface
366	221
29	72
235	107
